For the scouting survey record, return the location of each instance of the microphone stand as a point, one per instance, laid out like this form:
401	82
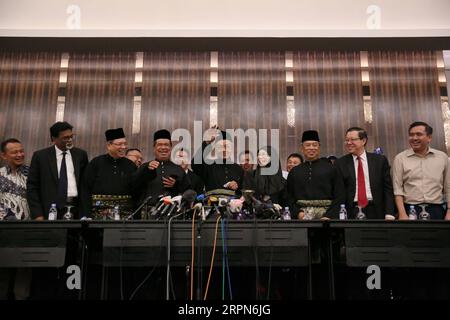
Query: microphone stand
199	259
168	255
139	208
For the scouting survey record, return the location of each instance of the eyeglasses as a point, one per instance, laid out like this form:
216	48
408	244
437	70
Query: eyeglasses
351	140
122	144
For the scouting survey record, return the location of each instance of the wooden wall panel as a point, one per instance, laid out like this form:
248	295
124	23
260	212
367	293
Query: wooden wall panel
328	96
404	88
175	93
28	95
252	93
99	96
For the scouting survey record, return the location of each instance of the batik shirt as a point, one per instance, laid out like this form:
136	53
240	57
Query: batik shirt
13	192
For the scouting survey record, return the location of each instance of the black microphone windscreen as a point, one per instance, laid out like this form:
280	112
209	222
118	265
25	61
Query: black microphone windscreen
189	195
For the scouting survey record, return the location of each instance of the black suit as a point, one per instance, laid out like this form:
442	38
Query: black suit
42	183
196	182
380	184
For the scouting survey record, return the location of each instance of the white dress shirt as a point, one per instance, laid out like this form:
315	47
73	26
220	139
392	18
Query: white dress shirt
71	181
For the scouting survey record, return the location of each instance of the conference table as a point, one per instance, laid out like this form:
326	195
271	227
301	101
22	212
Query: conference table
245	243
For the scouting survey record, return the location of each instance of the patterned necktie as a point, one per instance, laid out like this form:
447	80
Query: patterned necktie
62	183
362	196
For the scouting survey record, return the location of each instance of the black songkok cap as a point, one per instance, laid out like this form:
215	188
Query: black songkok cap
161	134
310	135
113	134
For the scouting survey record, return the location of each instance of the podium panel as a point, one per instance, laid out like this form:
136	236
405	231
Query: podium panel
25	244
416	244
248	243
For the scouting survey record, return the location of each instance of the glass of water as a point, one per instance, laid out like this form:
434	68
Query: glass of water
360	215
68	215
424	215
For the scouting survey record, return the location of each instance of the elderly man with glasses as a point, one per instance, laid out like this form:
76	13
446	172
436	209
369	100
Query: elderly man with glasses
367	179
107	181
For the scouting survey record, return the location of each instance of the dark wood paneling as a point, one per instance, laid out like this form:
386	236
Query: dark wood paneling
99	96
328	96
175	93
28	97
404	88
252	92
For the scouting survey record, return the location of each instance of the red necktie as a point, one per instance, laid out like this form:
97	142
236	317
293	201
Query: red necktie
362	196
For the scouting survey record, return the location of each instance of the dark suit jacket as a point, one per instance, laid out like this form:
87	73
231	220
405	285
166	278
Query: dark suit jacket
380	183
196	182
42	183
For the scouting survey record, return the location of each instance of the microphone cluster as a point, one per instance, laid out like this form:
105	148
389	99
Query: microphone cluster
168	206
246	207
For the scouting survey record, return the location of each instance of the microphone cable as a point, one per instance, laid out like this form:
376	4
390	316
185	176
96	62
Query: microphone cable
255	253
168	254
225	235
160	260
192	255
212	258
271	260
223	259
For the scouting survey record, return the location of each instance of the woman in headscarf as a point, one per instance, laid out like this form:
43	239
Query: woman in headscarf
264	182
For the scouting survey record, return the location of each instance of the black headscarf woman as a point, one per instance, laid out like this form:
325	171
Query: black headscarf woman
266	185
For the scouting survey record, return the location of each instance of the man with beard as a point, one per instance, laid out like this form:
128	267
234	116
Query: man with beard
55	174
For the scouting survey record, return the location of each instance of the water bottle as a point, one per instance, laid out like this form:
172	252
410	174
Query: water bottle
412	213
116	213
360	215
286	214
342	213
53	213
